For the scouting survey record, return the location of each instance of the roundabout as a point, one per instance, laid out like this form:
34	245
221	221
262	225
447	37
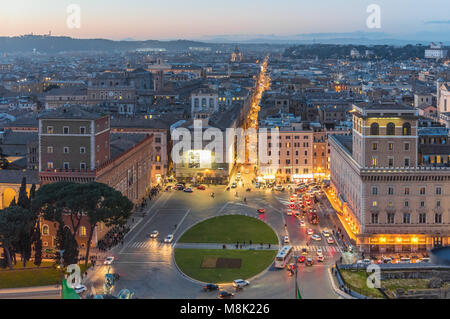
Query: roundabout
238	254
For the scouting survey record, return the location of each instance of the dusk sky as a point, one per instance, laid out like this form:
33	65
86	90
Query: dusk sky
168	19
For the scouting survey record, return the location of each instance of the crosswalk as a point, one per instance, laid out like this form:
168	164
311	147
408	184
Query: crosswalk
331	249
146	244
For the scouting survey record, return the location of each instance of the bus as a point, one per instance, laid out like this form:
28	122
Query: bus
283	257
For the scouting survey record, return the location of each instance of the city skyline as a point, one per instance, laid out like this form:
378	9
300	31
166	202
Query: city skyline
142	20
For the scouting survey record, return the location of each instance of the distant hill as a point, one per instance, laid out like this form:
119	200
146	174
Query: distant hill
47	44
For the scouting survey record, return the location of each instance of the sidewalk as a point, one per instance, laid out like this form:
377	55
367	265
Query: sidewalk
339	212
30	291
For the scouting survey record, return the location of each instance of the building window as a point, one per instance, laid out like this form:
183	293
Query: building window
374	219
374	161
374	203
49	149
50	165
406	162
438	191
391	162
82	166
422	204
406	218
406	190
390	129
82	130
374	129
390	218
391	146
438	203
66	150
406	203
374	146
406	146
422	191
66	165
65	130
438	218
422	218
158	140
82	150
45	230
374	190
406	129
390	190
49	129
83	232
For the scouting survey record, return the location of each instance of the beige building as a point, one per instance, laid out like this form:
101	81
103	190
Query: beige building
390	201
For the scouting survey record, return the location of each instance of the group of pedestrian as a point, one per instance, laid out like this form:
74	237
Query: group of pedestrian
114	237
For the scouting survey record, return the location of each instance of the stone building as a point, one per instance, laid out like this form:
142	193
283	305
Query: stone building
390	201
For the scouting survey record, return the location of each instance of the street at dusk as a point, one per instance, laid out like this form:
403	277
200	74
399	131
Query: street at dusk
212	159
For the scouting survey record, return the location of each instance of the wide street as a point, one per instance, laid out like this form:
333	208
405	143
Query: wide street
146	266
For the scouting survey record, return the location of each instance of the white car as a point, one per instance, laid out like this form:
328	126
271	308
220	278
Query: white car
316	237
302	223
286	239
310	231
238	175
108	260
80	289
319	252
326	233
154	234
239	283
289	212
330	240
168	239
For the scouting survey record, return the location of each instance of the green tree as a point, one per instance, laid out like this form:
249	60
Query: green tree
15	221
38	247
23	200
103	204
66	241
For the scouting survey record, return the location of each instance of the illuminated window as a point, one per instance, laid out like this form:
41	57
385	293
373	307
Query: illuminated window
45	230
374	203
49	129
391	146
50	165
374	161
406	129
83	231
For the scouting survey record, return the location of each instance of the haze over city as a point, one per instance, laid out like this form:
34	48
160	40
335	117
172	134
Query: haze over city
202	19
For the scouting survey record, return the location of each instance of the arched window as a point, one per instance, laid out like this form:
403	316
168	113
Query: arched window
374	129
406	129
82	231
390	129
45	230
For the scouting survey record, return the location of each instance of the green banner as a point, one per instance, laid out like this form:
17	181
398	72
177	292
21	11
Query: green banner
68	292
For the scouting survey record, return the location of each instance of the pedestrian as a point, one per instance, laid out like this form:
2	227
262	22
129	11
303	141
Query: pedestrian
269	246
250	242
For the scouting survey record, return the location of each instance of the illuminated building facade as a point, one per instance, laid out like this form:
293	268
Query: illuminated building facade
390	201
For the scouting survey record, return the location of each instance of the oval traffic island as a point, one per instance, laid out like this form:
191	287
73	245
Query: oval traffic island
226	265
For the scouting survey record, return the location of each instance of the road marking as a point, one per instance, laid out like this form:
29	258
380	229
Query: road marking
143	227
179	224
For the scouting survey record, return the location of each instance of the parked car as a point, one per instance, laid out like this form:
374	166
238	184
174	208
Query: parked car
261	211
240	283
201	187
168	239
233	185
188	190
210	287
